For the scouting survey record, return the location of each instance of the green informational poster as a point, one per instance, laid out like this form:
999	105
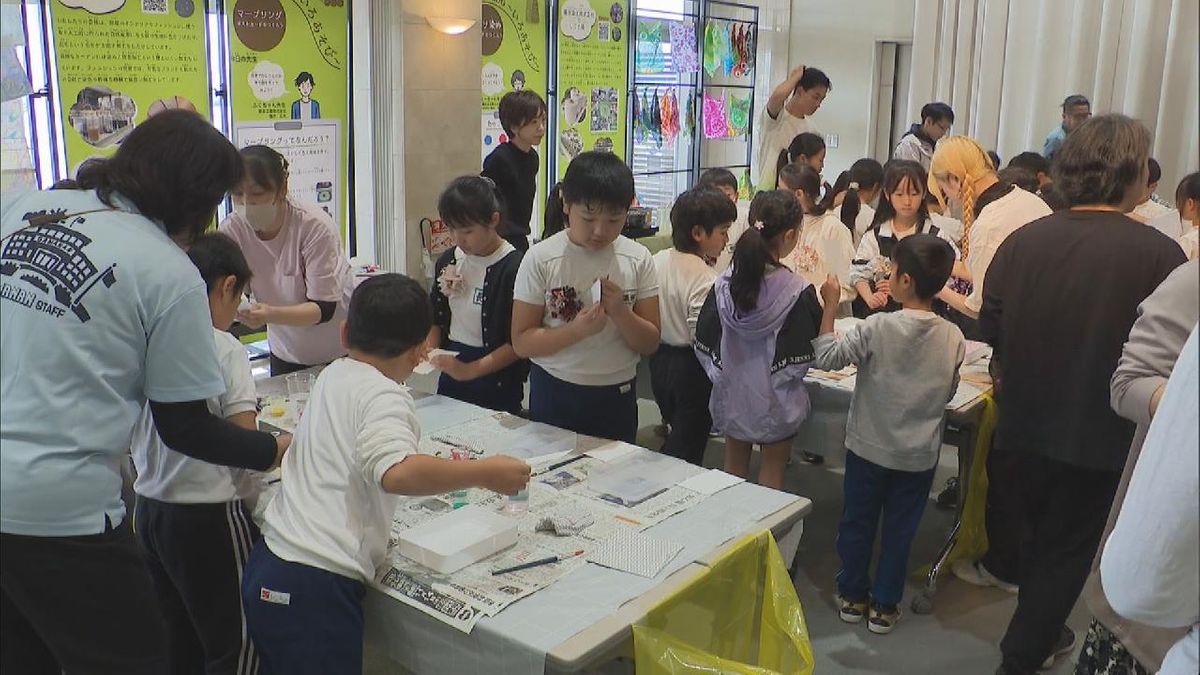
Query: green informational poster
592	77
289	89
514	58
120	61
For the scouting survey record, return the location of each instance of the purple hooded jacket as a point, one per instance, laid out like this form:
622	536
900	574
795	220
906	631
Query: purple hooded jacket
757	359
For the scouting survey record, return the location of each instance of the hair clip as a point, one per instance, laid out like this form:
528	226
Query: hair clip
853	185
758	226
491	183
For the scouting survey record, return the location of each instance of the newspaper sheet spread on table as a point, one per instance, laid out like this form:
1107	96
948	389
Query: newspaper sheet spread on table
556	495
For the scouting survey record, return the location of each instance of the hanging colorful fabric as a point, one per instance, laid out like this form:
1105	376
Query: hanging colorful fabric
716	123
647	116
656	119
649	55
683	46
727	44
671	116
739	114
689	117
712	47
639	132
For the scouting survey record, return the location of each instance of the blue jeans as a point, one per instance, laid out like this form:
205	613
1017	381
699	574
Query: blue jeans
606	412
870	492
303	620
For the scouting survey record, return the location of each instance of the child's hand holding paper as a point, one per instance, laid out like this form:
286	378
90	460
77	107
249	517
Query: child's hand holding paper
439	359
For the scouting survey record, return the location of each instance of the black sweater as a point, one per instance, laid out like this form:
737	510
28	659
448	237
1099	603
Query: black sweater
515	174
498	283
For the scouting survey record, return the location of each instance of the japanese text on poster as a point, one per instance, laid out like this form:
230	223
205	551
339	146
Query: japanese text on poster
592	78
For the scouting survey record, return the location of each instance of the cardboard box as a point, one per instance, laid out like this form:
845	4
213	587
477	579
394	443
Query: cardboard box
459	538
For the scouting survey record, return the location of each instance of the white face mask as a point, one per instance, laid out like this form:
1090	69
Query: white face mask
260	216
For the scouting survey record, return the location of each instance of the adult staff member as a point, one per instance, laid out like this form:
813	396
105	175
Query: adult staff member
786	116
301	278
1061	297
102	311
1075	111
921	139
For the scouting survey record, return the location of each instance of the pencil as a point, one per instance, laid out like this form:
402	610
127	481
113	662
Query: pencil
535	563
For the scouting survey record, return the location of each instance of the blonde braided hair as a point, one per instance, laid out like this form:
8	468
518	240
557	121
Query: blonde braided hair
963	158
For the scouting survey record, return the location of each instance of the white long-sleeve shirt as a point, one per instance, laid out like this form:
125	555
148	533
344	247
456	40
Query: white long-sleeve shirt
1150	567
869	250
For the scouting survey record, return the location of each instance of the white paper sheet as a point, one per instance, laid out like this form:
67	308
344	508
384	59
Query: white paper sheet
966	393
610	451
425	367
596	292
711	482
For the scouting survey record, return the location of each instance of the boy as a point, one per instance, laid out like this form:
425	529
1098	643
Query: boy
721	180
700	221
192	521
513	166
326	531
908	365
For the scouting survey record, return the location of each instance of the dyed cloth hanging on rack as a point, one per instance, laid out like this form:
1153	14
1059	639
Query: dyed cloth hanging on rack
739	114
656	119
649	56
727	48
670	116
639	131
712	48
689	118
683	46
716	122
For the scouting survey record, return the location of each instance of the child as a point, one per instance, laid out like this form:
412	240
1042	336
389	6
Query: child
721	180
853	191
726	182
191	516
700	221
585	343
472	300
752	338
1187	198
326	531
908	365
902	211
806	149
1150	207
513	165
826	245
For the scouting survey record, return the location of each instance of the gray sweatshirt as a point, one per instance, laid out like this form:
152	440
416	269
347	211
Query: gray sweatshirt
908	365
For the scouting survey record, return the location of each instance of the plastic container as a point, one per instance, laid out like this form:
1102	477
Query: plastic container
518	503
458	538
458	498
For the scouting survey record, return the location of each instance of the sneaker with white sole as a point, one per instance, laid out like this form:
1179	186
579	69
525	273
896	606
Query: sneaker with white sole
882	620
973	572
851	612
1064	645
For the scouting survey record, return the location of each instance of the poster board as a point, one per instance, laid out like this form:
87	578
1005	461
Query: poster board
593	78
313	151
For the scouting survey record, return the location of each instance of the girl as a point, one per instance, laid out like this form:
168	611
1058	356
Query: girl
754	339
1187	198
301	276
472	300
962	171
807	149
853	191
902	212
586	306
825	245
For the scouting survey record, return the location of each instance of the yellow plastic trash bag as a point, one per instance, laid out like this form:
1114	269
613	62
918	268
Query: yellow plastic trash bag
741	617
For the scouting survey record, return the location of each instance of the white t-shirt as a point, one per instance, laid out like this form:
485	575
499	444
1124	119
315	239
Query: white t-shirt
1148	210
558	275
998	220
866	216
825	247
169	476
1190	243
466	308
1169	223
777	134
953	227
735	232
331	511
303	262
868	249
684	280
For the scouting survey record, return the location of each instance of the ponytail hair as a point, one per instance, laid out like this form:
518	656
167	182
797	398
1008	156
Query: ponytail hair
865	174
471	200
798	176
773	213
556	217
807	144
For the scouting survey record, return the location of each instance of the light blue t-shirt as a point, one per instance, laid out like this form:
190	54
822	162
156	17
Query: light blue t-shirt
1054	141
100	312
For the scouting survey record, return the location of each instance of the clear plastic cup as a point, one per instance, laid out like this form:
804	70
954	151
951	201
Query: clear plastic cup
518	503
299	386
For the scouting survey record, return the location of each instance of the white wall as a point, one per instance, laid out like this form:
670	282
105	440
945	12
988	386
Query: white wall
839	38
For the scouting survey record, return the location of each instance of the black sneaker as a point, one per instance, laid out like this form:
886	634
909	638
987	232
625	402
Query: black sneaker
815	460
1064	645
948	497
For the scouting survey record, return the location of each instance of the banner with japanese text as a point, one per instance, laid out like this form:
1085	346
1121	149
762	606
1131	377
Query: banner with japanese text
289	89
514	58
593	57
121	61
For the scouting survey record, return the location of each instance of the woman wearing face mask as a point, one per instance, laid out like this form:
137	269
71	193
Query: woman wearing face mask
300	273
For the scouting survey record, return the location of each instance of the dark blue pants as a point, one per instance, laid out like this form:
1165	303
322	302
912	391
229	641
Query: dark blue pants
871	492
606	412
682	390
502	390
303	620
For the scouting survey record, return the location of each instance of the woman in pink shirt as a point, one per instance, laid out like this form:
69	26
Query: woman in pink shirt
301	277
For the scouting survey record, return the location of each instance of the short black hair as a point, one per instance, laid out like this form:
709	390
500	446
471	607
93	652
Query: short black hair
175	167
1155	172
470	200
928	259
217	256
938	112
389	315
1074	100
265	166
814	77
518	108
598	179
717	178
305	76
1188	188
701	206
1030	161
1022	178
992	155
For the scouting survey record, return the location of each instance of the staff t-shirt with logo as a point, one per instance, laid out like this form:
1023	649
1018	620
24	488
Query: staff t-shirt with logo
101	312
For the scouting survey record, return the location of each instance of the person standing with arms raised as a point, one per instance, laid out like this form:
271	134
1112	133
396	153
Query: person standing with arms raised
786	116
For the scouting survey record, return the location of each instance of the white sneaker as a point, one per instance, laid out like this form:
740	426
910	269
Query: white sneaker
973	572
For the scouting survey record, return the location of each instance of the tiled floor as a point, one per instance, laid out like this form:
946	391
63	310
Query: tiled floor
960	637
